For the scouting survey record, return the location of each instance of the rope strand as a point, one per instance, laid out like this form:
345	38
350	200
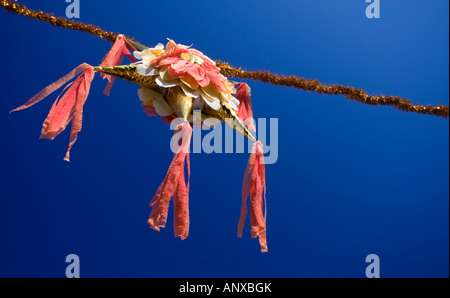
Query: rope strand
57	21
351	93
304	84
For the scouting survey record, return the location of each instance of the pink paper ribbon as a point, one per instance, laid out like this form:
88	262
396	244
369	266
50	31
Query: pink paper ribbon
174	186
115	57
245	112
254	185
66	108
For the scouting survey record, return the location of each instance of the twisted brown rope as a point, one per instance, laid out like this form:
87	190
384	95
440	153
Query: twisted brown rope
351	93
57	21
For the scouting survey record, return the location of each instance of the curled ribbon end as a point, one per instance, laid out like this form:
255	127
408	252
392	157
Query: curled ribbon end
153	226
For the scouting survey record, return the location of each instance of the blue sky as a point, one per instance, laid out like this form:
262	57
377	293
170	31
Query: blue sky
350	179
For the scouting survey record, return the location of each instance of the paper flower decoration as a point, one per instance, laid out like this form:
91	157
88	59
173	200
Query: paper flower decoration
194	72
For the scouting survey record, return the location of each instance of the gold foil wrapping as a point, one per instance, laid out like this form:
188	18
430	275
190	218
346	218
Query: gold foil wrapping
176	98
226	114
180	102
128	73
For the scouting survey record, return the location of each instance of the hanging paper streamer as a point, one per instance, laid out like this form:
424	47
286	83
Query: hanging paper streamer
254	185
66	108
174	186
181	204
115	57
245	111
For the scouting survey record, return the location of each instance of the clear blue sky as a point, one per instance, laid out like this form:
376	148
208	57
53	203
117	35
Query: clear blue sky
350	179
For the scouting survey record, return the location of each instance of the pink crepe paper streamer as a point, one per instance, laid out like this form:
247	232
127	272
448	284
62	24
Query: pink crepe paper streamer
66	108
181	205
174	186
254	184
115	57
245	112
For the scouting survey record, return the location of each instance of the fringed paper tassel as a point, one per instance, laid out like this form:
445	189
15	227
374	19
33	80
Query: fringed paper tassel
174	186
66	108
254	184
181	205
115	57
243	94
